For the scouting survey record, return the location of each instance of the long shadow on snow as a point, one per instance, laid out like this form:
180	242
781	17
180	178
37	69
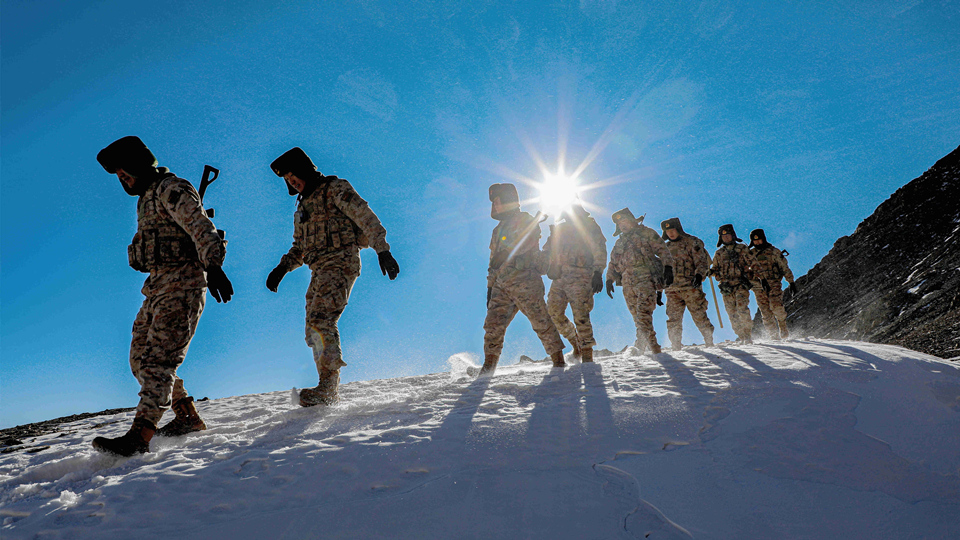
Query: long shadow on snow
456	425
818	359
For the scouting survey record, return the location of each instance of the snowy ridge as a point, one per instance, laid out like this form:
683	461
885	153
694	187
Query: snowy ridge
799	439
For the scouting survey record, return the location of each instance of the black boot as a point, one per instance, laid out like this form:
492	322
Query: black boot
135	441
489	365
325	393
187	421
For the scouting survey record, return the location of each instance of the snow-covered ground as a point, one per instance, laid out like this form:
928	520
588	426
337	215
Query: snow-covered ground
801	439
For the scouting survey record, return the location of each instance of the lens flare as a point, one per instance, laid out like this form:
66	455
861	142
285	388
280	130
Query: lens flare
557	193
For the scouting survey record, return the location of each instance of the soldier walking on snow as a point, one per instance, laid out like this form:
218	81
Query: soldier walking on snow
577	255
179	247
691	264
734	266
767	284
330	227
513	279
642	263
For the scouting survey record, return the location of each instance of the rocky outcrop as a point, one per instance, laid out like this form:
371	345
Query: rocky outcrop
896	279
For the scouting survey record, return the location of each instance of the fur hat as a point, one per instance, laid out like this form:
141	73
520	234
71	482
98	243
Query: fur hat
624	214
726	229
672	223
758	234
128	153
506	192
296	161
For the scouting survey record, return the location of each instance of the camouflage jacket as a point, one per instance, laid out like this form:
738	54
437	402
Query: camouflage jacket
175	239
733	263
514	247
578	242
640	252
771	264
332	219
689	259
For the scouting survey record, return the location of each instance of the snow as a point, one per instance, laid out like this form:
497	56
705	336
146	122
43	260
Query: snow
795	439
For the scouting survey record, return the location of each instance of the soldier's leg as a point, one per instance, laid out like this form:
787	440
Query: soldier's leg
557	306
742	296
697	305
174	321
769	321
730	306
675	307
327	296
141	326
642	300
500	311
776	307
529	298
581	304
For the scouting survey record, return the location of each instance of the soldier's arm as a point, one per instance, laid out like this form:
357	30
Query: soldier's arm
701	260
492	269
182	202
614	271
349	201
749	263
661	249
598	247
293	259
787	273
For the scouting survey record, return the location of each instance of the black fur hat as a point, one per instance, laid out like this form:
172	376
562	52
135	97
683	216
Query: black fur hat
758	234
127	153
296	161
623	214
726	229
672	223
506	192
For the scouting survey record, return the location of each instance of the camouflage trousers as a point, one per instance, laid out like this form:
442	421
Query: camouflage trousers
772	310
522	292
161	336
640	293
574	288
331	281
694	300
736	300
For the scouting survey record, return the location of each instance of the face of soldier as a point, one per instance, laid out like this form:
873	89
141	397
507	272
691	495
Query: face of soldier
757	242
672	234
295	182
496	208
727	238
126	178
626	224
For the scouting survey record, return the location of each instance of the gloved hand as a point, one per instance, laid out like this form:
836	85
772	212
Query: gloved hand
220	287
596	284
660	296
610	288
667	276
489	295
793	288
273	280
765	285
388	265
697	280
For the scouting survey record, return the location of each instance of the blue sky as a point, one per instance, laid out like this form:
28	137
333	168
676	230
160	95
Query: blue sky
797	117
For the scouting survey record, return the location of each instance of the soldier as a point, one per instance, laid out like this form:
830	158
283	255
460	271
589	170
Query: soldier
691	264
767	284
577	255
513	279
734	266
179	247
642	263
330	227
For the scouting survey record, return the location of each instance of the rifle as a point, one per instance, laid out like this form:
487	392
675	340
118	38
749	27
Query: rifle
205	182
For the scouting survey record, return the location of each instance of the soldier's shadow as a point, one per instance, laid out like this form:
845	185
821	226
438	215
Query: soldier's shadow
456	425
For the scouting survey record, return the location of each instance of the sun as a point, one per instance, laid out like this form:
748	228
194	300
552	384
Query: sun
557	193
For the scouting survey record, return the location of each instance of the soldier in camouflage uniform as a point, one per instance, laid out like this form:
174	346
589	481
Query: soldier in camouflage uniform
181	250
577	255
767	284
330	227
691	264
734	266
513	279
642	263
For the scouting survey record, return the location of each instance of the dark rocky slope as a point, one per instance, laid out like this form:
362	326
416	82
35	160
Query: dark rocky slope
896	279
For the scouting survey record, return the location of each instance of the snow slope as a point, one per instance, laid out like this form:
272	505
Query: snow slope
801	439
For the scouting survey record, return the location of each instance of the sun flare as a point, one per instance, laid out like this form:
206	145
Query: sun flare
557	193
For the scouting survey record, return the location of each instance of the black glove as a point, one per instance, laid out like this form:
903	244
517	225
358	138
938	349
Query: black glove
793	288
388	265
218	284
765	285
273	280
596	284
697	280
660	297
489	295
610	288
667	276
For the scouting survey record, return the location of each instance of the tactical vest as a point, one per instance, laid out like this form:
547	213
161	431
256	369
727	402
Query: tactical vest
516	243
727	266
769	260
322	227
638	255
684	250
159	241
572	247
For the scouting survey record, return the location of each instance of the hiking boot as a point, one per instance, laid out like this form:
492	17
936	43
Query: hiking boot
577	351
654	348
489	365
325	393
187	421
557	359
587	355
135	441
708	341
